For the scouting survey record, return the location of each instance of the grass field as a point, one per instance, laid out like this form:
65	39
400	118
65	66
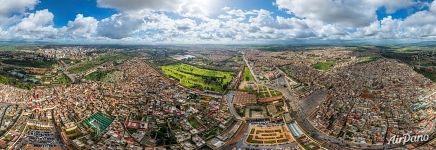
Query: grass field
368	59
30	63
84	66
194	123
62	79
427	74
97	75
324	66
194	77
247	74
15	82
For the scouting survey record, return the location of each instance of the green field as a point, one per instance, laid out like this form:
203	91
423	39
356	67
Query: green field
247	74
194	123
324	66
97	75
84	66
194	77
30	63
15	82
427	74
368	59
62	79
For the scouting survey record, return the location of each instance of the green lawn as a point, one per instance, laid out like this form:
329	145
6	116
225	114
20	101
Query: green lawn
247	74
194	123
324	66
62	79
194	77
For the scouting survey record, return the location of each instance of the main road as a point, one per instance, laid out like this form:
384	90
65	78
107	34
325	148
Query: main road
230	97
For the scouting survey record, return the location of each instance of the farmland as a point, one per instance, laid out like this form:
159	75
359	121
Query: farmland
194	77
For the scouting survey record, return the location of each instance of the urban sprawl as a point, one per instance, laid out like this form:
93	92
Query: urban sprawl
204	97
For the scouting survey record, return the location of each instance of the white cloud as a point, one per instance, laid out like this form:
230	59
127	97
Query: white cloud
119	26
263	18
185	24
349	13
11	11
82	27
419	25
38	25
135	5
390	5
188	21
433	7
188	8
8	7
35	20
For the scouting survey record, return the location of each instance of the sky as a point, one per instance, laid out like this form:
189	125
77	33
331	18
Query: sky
215	21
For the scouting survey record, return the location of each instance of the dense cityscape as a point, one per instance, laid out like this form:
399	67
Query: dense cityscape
217	75
81	97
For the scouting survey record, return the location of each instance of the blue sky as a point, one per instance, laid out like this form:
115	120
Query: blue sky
66	10
215	21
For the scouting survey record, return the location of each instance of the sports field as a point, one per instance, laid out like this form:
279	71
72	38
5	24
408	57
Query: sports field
194	77
99	122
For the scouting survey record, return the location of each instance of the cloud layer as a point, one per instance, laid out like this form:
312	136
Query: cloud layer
193	21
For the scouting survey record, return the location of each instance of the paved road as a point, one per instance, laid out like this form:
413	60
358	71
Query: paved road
58	130
229	97
3	115
64	71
